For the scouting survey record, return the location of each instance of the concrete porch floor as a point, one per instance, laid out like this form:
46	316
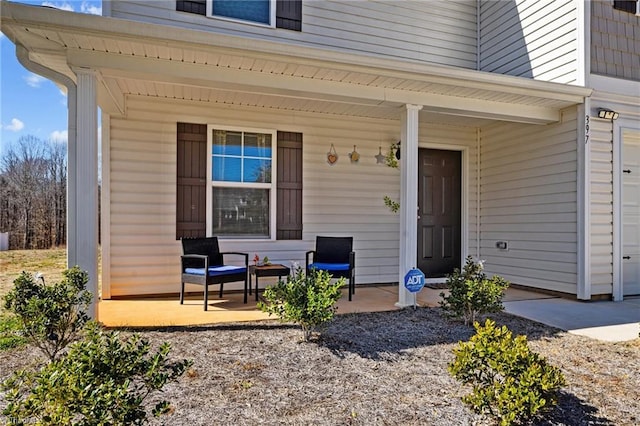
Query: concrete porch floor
602	320
162	312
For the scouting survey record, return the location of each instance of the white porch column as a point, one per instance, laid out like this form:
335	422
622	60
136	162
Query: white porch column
82	248
408	200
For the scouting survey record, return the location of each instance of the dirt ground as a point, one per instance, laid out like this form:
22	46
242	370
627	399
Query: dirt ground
386	368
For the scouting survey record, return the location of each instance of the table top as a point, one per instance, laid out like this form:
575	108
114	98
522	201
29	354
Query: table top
270	267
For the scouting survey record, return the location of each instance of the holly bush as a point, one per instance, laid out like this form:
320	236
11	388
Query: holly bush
102	380
305	299
50	316
510	382
471	292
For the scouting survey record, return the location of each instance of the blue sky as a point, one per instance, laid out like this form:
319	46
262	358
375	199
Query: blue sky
30	104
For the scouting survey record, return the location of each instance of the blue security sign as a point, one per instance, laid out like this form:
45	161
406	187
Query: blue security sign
414	280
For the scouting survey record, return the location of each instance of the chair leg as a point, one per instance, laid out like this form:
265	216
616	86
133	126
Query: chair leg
182	292
221	287
352	287
245	290
206	297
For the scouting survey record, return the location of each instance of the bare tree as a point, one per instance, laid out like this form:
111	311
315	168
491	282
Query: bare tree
33	193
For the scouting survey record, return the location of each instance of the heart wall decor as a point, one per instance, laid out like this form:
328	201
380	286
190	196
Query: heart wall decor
332	156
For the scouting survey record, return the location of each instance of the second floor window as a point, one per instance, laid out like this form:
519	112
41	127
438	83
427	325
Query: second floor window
257	11
285	14
630	6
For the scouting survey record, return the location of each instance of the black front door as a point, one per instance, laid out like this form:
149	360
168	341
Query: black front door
439	201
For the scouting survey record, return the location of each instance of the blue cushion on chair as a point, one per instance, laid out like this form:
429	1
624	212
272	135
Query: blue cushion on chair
217	270
330	266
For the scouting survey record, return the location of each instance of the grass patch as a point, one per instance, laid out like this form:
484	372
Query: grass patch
10	337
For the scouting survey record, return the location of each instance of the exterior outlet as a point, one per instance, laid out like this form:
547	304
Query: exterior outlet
502	245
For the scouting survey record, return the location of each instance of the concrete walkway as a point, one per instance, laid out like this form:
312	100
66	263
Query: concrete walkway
602	320
607	321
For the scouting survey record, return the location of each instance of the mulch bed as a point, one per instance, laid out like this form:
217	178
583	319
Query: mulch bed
385	368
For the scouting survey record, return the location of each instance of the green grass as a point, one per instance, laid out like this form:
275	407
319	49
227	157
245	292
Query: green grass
10	333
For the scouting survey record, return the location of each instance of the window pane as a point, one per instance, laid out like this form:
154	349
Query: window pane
227	143
257	171
257	145
227	169
247	10
241	212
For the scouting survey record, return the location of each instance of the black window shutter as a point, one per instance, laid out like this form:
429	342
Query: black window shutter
630	6
289	186
191	178
289	14
192	6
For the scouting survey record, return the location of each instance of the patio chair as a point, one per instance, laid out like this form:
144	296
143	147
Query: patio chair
203	254
336	256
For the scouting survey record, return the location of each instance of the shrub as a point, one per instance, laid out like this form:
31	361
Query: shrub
509	381
472	293
102	380
51	316
308	300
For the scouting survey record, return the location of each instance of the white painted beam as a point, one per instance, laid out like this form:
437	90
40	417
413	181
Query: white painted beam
84	249
408	200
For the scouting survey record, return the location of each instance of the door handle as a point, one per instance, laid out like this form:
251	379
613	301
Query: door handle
626	257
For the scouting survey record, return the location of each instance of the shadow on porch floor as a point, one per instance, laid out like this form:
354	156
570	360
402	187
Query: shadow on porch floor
162	312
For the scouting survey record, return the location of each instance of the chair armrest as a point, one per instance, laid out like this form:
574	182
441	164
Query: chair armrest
202	257
306	257
352	260
235	253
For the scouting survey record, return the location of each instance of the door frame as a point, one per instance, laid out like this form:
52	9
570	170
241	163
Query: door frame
464	200
619	126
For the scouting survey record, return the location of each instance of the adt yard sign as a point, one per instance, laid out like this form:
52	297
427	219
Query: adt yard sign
414	280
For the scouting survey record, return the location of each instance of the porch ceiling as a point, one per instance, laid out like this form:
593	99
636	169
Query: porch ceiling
146	60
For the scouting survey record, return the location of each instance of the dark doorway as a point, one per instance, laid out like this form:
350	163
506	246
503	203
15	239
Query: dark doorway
439	204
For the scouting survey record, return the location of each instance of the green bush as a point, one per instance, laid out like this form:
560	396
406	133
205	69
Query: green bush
509	381
102	380
472	293
307	300
51	316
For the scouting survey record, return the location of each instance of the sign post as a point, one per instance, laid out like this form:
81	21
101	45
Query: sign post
414	282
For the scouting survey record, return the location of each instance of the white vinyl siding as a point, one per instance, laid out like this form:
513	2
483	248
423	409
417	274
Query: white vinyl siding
601	217
435	32
533	38
343	199
528	193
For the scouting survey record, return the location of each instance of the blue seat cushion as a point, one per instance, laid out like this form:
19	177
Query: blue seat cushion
329	266
217	270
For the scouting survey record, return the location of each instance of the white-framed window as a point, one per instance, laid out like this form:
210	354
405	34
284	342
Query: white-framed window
261	12
241	192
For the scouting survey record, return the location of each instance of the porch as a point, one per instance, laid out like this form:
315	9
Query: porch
601	320
166	310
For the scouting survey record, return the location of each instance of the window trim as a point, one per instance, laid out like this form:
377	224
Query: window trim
272	16
272	186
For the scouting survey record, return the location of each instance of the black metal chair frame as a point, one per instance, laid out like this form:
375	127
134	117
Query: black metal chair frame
335	250
204	253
